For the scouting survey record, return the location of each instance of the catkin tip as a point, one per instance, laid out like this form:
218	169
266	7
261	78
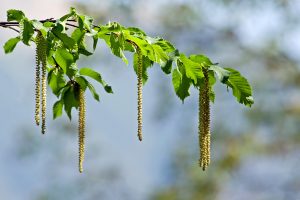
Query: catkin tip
80	169
140	137
37	121
43	128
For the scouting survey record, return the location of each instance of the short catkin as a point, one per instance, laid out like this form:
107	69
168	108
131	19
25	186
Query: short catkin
81	128
140	93
204	122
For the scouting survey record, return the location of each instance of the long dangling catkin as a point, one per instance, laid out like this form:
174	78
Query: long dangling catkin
81	128
200	132
42	56
204	122
140	93
37	78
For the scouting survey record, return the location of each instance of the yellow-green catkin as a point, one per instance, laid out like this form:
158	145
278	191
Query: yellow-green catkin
37	79
140	93
204	122
81	128
42	59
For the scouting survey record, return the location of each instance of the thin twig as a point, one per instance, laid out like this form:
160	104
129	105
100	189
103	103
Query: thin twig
72	25
7	24
42	21
11	28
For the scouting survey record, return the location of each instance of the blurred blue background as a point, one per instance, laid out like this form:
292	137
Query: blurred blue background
255	152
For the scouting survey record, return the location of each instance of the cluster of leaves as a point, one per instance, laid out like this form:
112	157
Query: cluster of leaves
188	71
66	42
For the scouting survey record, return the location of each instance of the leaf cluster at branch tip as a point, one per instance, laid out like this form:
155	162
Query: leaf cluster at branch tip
67	43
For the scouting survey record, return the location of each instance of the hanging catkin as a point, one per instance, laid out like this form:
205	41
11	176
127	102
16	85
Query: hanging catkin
37	78
81	128
140	93
43	60
44	95
204	122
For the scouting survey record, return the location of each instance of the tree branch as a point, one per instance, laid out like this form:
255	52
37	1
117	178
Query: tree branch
10	24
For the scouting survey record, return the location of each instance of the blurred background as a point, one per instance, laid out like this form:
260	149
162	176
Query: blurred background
255	152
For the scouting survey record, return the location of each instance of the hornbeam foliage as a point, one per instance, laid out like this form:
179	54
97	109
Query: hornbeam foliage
64	43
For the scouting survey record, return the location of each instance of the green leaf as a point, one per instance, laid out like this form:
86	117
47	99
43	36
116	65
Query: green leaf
202	60
193	70
84	84
108	89
146	48
50	58
56	80
85	22
129	47
26	30
78	35
72	70
135	31
161	56
91	73
48	24
167	66
104	32
95	42
117	45
241	89
57	109
93	91
10	45
72	14
82	50
64	59
15	15
65	17
181	84
71	100
165	45
221	73
114	27
40	26
96	76
59	27
68	41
